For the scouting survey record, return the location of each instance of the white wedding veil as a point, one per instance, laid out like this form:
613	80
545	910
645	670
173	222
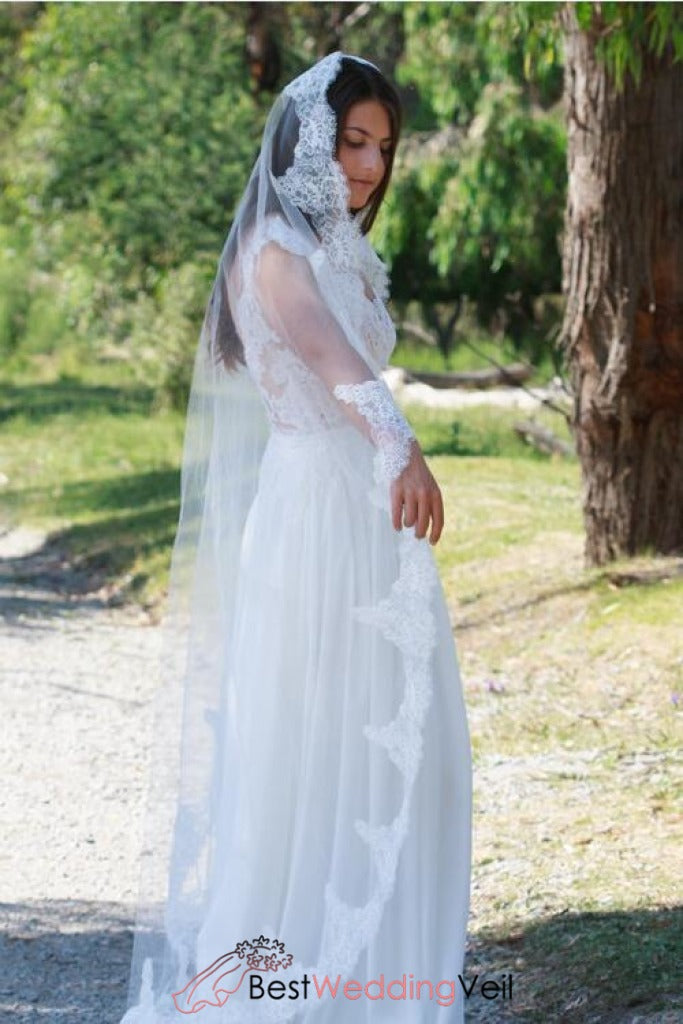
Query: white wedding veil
297	197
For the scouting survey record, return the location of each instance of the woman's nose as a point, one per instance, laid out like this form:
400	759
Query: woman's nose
372	163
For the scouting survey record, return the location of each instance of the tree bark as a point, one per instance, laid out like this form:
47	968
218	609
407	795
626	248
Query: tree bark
622	335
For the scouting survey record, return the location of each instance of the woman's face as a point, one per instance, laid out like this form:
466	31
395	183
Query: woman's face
364	149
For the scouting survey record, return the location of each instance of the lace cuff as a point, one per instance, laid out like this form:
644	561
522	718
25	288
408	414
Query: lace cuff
390	431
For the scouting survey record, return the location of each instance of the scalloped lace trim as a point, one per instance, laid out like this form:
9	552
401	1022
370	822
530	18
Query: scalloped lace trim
390	431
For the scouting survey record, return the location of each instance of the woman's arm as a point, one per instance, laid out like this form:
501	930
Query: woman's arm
295	309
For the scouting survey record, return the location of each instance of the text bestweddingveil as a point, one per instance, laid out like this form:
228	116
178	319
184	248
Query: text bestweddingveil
404	988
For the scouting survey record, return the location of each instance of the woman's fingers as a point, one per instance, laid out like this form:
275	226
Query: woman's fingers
410	508
425	511
416	499
417	508
437	517
396	505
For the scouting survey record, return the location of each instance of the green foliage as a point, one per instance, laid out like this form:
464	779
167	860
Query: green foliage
454	50
418	183
139	114
128	131
625	33
485	186
166	325
136	132
444	62
15	295
133	128
628	31
497	227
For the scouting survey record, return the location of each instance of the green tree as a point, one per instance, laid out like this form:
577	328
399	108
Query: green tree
137	126
483	178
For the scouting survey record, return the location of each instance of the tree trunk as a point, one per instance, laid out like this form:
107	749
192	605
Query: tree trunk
622	334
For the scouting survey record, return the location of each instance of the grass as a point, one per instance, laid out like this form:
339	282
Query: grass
480	431
96	465
474	351
572	678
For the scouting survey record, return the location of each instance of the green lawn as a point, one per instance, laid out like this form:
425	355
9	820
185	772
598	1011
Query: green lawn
88	455
93	462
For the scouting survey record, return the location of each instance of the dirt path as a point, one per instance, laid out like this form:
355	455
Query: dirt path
76	677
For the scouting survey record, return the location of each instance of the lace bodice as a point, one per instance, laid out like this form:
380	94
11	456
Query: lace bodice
288	387
357	301
308	383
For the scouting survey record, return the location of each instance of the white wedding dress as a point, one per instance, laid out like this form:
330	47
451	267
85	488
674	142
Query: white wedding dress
321	844
310	677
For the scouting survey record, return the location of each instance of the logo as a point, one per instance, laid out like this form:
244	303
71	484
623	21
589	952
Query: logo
223	978
216	983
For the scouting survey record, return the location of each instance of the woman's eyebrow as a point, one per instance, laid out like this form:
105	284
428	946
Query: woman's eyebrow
355	128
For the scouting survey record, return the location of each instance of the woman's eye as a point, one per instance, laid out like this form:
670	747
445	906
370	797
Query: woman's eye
359	145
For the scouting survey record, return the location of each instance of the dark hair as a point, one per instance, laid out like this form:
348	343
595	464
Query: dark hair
355	82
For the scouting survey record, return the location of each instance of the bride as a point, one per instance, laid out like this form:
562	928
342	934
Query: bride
306	850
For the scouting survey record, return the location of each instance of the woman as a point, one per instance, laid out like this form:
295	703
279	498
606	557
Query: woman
308	825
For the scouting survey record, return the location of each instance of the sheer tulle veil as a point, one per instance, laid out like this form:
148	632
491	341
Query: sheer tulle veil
296	196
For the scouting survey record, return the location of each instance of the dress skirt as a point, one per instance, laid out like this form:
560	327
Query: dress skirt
342	848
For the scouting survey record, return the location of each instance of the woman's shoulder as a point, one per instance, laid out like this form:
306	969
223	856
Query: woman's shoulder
270	244
276	228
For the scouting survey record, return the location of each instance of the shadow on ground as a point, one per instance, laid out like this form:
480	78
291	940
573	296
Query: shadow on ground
90	564
588	968
69	961
37	401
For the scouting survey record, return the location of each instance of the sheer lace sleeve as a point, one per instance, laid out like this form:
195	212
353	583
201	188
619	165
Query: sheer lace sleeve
295	309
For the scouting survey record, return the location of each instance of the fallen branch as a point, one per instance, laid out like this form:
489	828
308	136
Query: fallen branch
513	374
542	438
640	576
419	332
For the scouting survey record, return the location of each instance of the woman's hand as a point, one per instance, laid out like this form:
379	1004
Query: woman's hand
416	491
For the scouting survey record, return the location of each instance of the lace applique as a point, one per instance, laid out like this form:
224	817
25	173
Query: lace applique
274	229
311	182
378	330
406	619
374	269
295	398
365	318
389	429
409	603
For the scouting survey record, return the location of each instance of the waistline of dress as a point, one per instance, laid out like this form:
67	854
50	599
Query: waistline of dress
312	438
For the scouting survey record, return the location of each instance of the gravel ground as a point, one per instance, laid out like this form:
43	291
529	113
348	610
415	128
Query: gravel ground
76	678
